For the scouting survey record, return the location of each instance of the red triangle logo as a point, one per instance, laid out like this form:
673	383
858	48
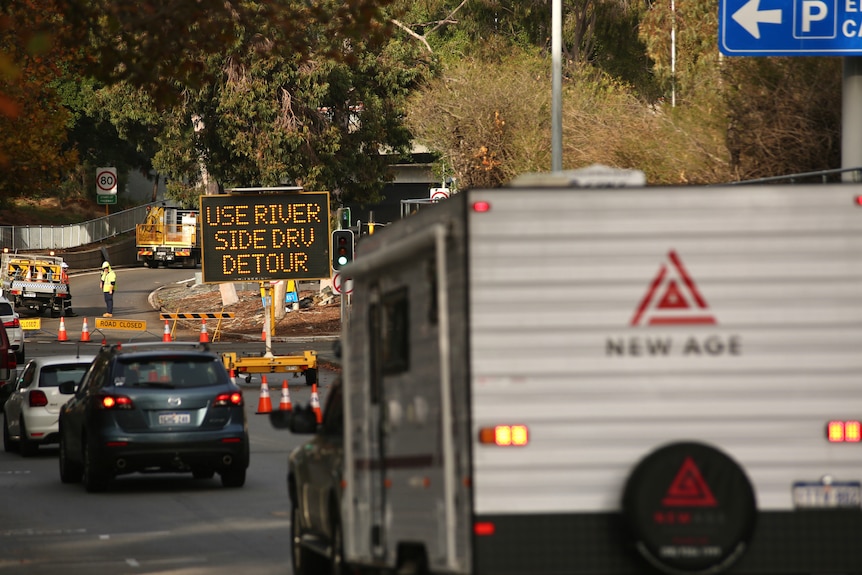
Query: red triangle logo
680	302
689	489
672	298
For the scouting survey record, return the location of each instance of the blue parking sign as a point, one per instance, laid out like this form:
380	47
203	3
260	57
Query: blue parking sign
790	28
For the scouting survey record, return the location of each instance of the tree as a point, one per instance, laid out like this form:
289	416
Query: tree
33	123
270	117
164	45
485	125
784	115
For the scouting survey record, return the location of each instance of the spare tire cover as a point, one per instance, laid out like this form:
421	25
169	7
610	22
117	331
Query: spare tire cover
689	509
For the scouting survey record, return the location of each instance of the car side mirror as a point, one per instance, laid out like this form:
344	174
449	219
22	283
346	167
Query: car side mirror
301	420
67	387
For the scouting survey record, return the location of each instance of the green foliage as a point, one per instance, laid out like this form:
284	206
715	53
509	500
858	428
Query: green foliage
163	45
484	124
784	115
695	23
270	118
33	123
326	94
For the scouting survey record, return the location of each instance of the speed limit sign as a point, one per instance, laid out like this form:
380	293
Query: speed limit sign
106	185
106	181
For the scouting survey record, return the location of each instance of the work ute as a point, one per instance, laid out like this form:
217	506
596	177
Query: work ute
37	283
546	379
169	236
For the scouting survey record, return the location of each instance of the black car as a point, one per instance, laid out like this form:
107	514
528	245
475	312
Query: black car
156	407
314	486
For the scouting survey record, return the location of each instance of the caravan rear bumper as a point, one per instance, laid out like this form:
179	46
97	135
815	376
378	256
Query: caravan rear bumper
785	543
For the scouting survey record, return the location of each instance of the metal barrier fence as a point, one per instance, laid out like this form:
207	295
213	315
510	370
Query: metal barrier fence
847	175
23	238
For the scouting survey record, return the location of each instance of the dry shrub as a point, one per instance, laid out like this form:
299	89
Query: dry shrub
492	122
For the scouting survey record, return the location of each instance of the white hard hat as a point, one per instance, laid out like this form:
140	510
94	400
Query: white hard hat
105	265
64	265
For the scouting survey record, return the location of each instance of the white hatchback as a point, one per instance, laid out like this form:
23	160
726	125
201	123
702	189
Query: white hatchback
32	412
13	328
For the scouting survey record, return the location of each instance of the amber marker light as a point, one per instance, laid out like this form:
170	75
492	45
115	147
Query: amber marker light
849	431
504	435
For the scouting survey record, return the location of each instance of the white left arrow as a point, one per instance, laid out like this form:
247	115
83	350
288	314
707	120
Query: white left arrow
750	16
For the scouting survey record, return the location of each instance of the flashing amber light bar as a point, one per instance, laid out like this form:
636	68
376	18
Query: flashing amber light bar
504	435
844	431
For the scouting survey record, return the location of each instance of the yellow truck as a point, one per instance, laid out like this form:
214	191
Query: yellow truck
37	283
169	236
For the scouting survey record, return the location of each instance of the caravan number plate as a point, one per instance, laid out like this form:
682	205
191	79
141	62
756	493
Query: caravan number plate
174	418
827	495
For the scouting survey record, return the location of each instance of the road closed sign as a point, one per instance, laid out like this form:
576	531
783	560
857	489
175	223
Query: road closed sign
127	324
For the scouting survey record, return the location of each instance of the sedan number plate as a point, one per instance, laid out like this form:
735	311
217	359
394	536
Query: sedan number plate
827	495
174	418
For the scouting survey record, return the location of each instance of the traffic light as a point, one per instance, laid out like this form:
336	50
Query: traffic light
342	248
344	218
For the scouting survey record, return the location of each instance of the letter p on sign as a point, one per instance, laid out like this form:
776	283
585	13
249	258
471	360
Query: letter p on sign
813	11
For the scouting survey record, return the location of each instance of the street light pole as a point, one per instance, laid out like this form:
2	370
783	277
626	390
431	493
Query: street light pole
557	86
672	53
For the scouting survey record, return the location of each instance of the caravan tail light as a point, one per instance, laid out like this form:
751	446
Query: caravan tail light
504	435
844	431
481	206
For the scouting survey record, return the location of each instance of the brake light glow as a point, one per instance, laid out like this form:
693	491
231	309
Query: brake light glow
116	402
844	431
227	399
13	323
37	398
481	206
483	528
505	435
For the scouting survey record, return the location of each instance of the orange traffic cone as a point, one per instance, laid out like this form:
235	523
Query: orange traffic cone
264	405
284	404
61	335
205	337
315	403
167	334
85	331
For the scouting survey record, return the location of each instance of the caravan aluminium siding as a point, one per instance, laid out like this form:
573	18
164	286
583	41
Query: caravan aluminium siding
557	280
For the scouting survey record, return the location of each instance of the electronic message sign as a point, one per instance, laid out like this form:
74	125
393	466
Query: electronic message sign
258	237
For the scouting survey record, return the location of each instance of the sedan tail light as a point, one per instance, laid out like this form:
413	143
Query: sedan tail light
228	399
12	323
115	402
37	398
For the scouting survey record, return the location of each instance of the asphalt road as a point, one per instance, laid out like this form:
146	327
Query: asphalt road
160	523
133	304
